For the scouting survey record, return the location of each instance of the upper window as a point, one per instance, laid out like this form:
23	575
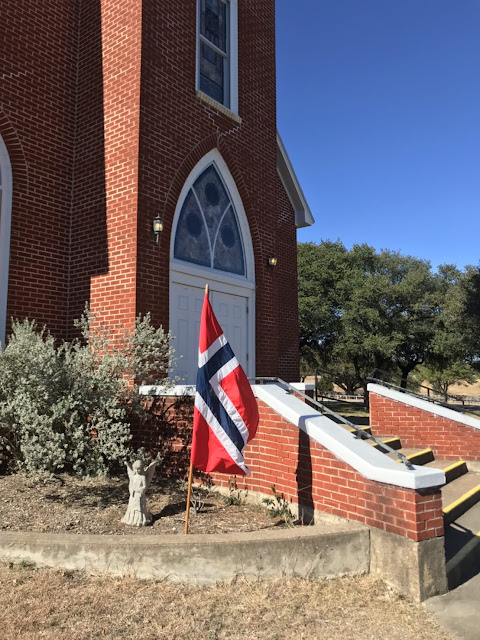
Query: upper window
207	232
217	51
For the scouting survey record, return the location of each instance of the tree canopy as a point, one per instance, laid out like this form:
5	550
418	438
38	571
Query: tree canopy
361	310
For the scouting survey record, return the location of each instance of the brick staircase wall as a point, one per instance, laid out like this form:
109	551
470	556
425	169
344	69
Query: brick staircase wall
416	427
303	470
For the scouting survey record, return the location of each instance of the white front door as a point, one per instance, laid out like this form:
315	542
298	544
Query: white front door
185	311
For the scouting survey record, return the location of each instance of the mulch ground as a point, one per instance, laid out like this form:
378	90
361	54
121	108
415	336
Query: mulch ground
97	505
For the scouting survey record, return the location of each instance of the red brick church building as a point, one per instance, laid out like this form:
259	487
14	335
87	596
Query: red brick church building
120	116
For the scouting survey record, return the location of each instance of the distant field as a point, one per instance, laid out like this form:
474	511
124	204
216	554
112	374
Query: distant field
466	389
455	389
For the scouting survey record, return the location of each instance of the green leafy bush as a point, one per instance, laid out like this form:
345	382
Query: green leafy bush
66	407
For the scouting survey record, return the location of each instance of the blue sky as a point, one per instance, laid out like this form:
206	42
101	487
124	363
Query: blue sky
379	109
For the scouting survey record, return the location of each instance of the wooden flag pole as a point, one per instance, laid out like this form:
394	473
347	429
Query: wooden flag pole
189	492
190	472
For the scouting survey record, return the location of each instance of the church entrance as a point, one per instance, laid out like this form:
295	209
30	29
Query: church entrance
211	244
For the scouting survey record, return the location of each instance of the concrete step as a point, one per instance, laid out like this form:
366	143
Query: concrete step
392	441
452	469
416	456
462	547
367	429
460	495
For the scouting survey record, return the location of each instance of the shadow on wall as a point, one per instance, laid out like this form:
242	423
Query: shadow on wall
89	247
304	479
167	430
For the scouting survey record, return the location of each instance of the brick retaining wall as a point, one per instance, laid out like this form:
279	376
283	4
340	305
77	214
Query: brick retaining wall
416	427
304	471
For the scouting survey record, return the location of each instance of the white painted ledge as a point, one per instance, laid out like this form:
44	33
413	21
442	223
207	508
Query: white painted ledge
303	386
189	389
424	405
159	390
365	459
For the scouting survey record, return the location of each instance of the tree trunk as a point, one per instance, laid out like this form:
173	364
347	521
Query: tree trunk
405	372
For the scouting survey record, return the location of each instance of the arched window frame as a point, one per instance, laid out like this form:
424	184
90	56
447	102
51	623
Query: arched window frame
214	157
5	225
190	274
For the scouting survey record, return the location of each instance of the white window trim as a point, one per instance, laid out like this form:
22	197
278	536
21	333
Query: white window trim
214	157
186	273
5	226
232	48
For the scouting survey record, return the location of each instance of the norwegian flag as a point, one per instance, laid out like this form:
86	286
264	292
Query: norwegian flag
226	413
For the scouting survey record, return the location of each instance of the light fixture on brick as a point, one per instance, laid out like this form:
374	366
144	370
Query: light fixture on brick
272	261
157	228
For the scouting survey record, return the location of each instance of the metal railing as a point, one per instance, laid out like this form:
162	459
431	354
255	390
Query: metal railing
360	433
335	378
430	396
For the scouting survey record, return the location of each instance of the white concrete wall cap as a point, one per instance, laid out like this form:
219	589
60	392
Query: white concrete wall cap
424	405
160	390
365	459
303	386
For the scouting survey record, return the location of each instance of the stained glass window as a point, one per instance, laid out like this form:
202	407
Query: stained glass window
214	50
208	233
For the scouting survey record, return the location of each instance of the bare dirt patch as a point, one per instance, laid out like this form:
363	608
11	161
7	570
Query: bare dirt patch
96	505
51	604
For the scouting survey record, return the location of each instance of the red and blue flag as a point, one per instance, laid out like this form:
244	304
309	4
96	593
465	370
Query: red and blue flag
226	413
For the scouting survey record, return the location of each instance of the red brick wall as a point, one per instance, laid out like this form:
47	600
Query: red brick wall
286	277
89	248
103	126
177	130
113	294
418	428
38	59
309	475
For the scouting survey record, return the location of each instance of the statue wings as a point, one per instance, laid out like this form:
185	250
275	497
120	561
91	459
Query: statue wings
150	470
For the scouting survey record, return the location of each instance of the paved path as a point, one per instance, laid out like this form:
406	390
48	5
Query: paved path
459	610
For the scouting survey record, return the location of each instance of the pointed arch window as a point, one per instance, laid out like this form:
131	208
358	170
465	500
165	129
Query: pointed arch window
208	233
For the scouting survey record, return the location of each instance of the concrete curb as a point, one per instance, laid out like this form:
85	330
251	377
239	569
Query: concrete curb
317	551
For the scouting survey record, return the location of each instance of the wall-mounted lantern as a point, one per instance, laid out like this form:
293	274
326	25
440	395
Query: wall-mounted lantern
157	228
272	261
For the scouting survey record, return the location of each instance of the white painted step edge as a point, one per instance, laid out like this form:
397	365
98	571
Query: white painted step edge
365	459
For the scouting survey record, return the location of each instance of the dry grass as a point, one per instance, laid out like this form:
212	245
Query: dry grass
465	389
347	408
45	604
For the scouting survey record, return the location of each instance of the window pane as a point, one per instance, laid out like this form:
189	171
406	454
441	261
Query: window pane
213	22
228	251
213	199
219	222
191	242
211	73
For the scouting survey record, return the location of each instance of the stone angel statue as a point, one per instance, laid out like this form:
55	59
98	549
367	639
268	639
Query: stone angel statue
140	478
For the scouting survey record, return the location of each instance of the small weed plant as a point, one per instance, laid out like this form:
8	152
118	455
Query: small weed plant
200	495
235	495
279	507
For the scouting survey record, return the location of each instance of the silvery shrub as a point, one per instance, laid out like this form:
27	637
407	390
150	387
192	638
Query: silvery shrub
67	406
